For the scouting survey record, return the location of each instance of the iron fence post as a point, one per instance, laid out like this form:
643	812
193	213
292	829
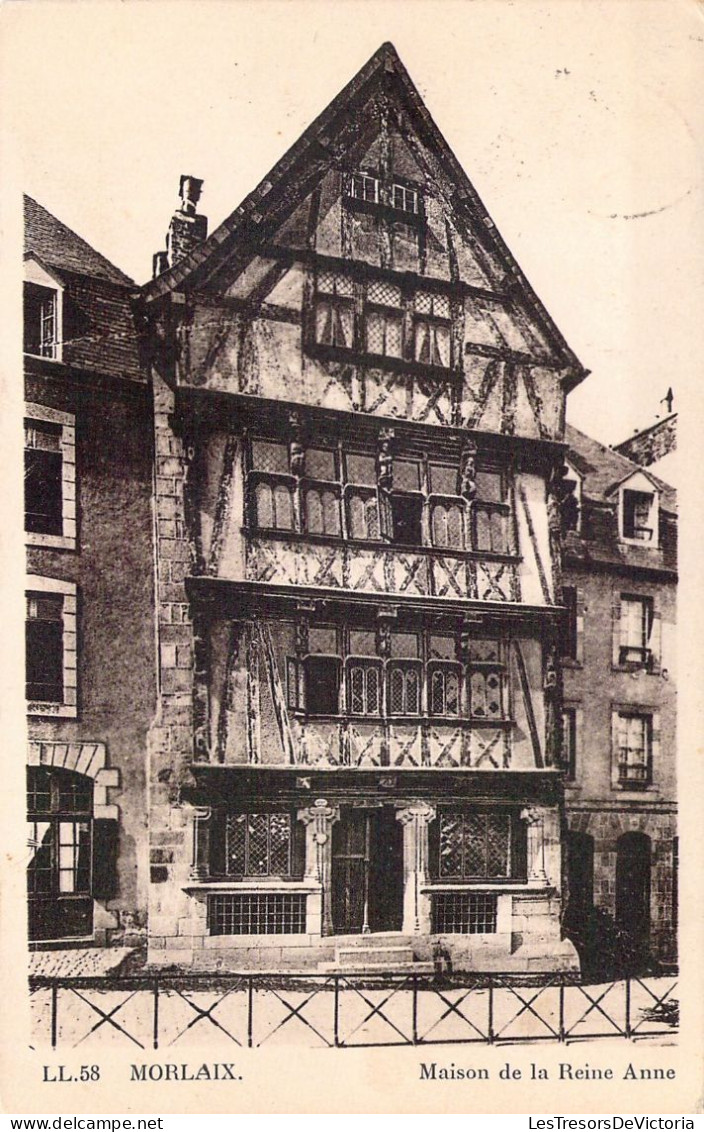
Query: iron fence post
415	1008
54	1014
628	1006
250	1010
336	1016
491	1009
155	1031
562	1010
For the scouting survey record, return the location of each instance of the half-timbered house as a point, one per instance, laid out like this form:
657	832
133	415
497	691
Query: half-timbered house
359	412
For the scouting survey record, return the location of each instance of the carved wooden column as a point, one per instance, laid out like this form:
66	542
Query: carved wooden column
533	818
200	850
319	820
416	903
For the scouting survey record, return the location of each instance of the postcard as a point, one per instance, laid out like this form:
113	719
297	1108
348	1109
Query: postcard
352	757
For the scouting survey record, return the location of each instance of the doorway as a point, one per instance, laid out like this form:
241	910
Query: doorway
367	871
633	896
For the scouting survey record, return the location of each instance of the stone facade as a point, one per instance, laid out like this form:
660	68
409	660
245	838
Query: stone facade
621	666
88	467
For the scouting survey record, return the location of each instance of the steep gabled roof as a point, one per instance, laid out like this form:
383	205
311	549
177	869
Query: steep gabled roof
57	245
318	142
603	469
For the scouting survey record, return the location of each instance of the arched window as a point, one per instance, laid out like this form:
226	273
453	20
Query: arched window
364	684
447	525
444	689
404	688
322	512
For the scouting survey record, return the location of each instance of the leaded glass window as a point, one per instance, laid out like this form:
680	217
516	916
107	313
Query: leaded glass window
444	689
364	686
486	673
258	844
404	688
474	845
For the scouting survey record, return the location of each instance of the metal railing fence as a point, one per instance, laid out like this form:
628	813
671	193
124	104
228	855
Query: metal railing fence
346	1010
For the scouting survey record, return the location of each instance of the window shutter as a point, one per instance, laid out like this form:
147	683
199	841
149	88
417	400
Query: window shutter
298	848
434	847
105	846
615	741
616	634
654	639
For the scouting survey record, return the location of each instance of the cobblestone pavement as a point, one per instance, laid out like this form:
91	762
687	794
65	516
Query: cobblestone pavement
76	962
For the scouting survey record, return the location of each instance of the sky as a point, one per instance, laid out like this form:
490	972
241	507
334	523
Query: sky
579	122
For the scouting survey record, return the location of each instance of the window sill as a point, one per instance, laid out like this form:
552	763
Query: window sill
380	361
54	542
378	208
447	720
56	711
43	357
633	787
380	544
644	543
637	669
270	884
508	886
568	662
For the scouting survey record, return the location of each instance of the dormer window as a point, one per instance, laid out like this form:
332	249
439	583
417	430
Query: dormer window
43	294
404	199
637	515
40	322
638	510
363	186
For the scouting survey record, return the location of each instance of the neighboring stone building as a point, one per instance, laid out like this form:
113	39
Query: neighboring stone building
90	595
359	407
655	447
620	573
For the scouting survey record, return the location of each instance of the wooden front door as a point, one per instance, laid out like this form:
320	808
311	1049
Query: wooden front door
367	871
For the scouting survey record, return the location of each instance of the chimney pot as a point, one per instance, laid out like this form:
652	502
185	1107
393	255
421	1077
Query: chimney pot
189	190
187	228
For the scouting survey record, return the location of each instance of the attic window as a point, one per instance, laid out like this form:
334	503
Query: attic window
363	186
41	330
404	199
638	516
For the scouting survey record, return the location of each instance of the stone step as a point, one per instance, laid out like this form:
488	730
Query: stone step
376	969
388	957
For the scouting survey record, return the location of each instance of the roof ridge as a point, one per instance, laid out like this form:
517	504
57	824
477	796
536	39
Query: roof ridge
80	246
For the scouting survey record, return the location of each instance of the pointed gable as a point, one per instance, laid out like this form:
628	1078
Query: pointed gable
379	124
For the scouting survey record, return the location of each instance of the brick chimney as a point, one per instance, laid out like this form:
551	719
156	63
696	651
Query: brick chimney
187	227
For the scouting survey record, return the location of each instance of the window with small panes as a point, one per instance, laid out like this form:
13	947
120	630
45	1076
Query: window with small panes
336	493
352	671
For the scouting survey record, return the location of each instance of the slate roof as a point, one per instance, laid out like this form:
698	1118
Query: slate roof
598	543
317	140
603	469
57	245
99	332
